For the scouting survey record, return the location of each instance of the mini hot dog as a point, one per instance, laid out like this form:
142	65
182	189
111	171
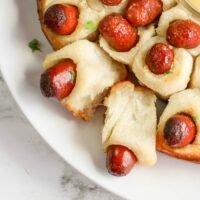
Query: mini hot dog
126	139
143	12
180	28
162	67
160	58
120	40
59	80
118	32
61	19
184	34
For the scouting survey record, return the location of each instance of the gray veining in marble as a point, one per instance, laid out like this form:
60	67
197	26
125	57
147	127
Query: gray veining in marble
30	169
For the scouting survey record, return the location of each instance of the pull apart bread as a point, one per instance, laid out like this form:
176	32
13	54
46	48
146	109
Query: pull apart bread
178	12
128	107
85	29
178	132
195	79
96	73
170	82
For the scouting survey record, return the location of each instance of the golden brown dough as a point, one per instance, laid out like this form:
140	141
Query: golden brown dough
188	102
131	121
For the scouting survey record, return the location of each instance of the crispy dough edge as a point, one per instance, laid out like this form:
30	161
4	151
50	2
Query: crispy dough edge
162	147
53	41
87	113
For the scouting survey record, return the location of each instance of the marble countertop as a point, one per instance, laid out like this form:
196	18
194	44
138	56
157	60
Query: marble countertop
30	169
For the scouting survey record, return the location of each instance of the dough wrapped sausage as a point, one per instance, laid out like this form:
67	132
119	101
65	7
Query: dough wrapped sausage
187	102
96	73
86	15
176	13
168	83
145	33
131	121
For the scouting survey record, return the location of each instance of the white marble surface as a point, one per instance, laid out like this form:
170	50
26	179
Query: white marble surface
30	169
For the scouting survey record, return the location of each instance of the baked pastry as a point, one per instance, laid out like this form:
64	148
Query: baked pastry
177	13
167	82
85	27
195	80
104	9
167	4
95	74
127	110
178	129
127	57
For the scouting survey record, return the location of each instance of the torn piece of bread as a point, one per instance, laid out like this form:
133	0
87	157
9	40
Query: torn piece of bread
106	10
195	79
167	4
145	33
131	121
168	83
96	73
176	13
188	102
86	15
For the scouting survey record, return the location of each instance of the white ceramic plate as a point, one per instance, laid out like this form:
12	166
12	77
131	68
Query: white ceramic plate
79	143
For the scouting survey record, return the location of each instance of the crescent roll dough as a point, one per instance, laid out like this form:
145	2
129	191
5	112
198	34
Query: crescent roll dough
167	4
104	9
96	73
86	15
176	13
131	121
187	101
195	79
145	33
168	83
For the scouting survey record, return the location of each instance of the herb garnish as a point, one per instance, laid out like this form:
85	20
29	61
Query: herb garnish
34	45
90	26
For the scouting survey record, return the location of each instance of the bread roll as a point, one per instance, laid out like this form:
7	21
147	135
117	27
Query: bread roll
195	80
96	73
188	102
167	4
131	121
176	13
145	33
168	83
86	15
106	10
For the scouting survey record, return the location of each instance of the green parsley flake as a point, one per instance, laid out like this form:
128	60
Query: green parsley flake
34	45
168	72
72	76
90	26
